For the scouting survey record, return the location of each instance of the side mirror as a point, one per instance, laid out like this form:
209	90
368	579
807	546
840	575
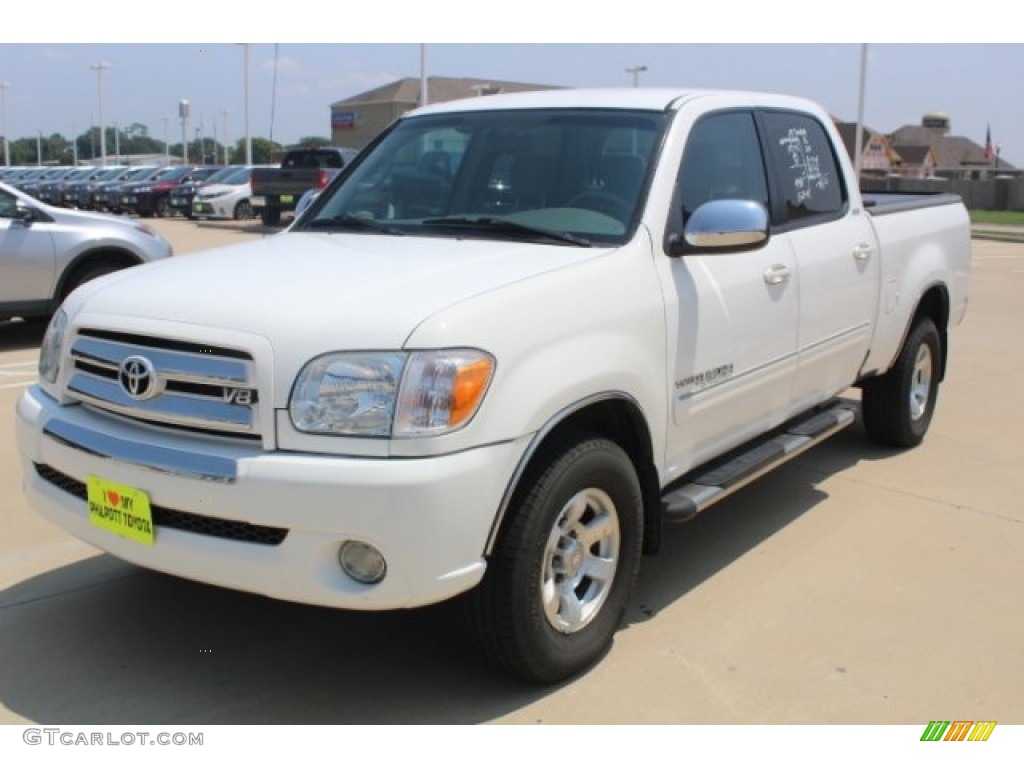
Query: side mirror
25	214
724	225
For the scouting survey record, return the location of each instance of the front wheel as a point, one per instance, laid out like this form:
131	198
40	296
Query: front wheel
243	210
898	406
557	584
87	272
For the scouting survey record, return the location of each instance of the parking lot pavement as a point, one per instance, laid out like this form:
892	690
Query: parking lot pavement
856	585
15	375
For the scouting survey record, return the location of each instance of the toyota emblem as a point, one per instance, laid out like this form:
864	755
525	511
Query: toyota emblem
138	378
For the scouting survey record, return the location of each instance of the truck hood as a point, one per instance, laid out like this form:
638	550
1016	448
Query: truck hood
309	293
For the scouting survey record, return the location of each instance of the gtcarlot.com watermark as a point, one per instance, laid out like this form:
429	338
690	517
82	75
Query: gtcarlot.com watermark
63	737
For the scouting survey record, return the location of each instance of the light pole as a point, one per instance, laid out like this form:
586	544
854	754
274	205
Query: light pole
3	121
183	112
635	72
248	129
858	134
99	67
424	96
224	130
39	146
74	146
167	144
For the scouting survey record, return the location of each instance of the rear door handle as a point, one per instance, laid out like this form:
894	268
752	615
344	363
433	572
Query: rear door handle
777	274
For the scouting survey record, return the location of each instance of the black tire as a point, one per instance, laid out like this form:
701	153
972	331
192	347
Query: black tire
162	207
565	565
270	216
85	273
243	210
897	407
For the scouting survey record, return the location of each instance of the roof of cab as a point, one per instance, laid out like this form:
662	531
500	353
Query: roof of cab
657	99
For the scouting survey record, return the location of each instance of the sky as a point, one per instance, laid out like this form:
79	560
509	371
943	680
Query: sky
297	72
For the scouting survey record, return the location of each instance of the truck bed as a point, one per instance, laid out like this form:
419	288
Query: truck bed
882	203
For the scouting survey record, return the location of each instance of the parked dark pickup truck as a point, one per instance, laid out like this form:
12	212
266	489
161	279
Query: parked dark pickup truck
275	190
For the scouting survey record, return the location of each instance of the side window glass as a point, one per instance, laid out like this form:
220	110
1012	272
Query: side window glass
722	161
8	205
802	155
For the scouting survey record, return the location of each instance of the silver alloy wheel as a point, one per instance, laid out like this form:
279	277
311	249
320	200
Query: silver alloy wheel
921	383
580	560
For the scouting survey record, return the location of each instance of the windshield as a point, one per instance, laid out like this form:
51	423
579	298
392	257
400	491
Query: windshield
579	173
220	174
141	173
172	173
112	173
237	176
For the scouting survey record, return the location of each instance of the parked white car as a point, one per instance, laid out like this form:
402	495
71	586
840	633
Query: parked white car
230	199
47	252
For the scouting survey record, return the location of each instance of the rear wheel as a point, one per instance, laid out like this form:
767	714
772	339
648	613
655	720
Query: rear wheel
270	216
557	584
898	407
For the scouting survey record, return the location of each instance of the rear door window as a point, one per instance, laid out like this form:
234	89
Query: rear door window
810	184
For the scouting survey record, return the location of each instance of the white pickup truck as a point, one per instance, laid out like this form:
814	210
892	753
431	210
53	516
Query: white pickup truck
516	336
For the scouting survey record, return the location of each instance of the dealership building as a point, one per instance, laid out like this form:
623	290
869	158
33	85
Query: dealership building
357	120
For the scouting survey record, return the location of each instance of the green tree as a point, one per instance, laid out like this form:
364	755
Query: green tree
26	150
136	130
23	151
313	141
205	152
263	151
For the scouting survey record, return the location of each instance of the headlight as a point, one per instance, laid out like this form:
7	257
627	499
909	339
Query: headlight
347	394
390	393
53	342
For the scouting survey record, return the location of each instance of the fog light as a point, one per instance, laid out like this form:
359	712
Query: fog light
362	562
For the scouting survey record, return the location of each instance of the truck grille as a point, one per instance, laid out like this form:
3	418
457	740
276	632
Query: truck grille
166	382
204	525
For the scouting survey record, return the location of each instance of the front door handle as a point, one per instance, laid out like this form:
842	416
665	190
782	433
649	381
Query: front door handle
862	252
777	274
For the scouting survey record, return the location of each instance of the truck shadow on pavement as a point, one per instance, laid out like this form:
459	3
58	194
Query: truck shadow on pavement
695	551
103	642
21	334
241	226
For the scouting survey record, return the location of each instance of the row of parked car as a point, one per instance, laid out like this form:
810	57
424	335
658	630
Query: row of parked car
215	192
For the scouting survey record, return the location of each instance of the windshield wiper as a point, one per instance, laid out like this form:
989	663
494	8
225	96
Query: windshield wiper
348	221
491	224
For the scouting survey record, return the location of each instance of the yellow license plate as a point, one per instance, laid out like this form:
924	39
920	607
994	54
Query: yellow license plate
120	509
287	199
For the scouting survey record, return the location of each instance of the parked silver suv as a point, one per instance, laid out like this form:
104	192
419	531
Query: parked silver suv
47	252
